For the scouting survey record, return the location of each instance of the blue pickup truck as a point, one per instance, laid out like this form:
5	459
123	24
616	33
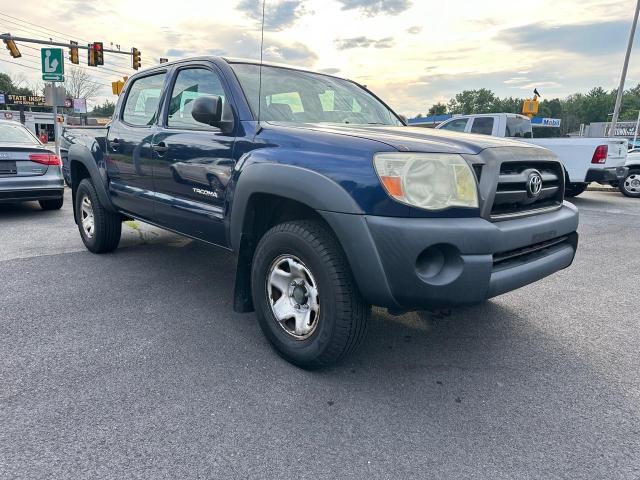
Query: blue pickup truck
329	202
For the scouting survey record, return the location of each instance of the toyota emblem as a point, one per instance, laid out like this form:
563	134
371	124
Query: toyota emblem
534	184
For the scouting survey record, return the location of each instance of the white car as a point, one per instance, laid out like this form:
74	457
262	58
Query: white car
585	159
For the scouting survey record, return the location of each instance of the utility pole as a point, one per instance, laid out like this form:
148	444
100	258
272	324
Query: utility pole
623	76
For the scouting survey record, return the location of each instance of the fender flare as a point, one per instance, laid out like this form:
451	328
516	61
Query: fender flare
288	181
81	154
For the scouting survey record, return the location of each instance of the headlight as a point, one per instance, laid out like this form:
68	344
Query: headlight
433	181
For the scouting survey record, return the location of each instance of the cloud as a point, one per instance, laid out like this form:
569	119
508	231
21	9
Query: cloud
330	71
414	30
278	14
363	42
234	42
585	39
374	7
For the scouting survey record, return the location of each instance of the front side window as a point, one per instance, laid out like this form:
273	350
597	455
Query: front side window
141	107
482	125
456	125
294	96
191	84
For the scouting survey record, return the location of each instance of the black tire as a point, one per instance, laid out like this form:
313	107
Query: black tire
55	204
343	314
574	189
625	184
107	225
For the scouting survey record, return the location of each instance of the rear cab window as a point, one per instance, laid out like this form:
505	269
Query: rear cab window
143	98
518	127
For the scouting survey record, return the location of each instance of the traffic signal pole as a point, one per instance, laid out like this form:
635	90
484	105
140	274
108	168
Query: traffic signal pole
623	76
56	137
57	44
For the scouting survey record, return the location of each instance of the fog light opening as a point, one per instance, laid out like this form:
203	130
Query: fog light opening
439	264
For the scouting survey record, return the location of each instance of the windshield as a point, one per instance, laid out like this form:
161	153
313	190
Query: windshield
518	127
11	133
302	97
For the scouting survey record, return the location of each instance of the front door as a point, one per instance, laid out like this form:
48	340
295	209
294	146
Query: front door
193	162
129	158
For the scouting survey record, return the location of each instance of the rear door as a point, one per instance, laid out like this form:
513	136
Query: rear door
483	125
129	159
193	161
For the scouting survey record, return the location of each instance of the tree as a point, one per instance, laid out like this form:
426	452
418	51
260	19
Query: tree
15	85
104	110
78	84
481	100
438	109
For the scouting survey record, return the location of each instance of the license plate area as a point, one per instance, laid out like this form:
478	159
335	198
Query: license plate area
8	167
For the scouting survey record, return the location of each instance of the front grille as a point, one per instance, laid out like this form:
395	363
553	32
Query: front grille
514	197
530	253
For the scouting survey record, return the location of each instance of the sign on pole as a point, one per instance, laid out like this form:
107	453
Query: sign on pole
52	64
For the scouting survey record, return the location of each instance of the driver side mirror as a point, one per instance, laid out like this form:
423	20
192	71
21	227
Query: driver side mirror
208	110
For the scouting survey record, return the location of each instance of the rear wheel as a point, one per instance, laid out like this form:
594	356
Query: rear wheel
630	186
306	300
574	189
55	204
100	229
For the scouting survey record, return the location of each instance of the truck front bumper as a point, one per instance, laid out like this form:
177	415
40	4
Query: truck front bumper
606	175
417	263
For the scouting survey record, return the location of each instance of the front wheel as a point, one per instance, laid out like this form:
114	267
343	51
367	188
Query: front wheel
574	189
305	297
630	186
99	228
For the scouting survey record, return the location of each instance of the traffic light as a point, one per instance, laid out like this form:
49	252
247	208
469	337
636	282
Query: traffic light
12	47
73	53
91	58
98	53
117	86
136	63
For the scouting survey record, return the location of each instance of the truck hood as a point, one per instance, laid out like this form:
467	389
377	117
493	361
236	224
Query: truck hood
416	139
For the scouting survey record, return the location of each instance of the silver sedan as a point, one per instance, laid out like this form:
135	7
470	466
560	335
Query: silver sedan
28	170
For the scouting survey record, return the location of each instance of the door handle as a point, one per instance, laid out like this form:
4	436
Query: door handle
114	144
160	148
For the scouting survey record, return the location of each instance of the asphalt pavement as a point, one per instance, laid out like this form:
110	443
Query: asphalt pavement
134	365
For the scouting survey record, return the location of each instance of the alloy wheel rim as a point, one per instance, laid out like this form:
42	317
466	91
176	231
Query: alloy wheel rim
86	217
293	296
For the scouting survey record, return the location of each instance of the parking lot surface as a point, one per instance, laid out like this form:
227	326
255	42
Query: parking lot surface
134	365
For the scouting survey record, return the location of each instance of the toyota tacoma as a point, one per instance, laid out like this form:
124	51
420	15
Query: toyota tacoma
328	201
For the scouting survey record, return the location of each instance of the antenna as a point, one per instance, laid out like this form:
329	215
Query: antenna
260	72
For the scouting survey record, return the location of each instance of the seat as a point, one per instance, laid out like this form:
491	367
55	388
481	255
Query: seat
280	112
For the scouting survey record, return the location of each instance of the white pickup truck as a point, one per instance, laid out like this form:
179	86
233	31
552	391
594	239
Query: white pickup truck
585	159
630	185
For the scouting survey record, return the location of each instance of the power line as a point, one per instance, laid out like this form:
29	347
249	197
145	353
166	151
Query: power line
49	29
29	66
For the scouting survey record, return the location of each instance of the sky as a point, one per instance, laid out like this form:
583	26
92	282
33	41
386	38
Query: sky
412	53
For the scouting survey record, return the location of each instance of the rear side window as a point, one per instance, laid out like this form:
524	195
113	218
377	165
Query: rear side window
456	125
141	107
482	125
191	84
